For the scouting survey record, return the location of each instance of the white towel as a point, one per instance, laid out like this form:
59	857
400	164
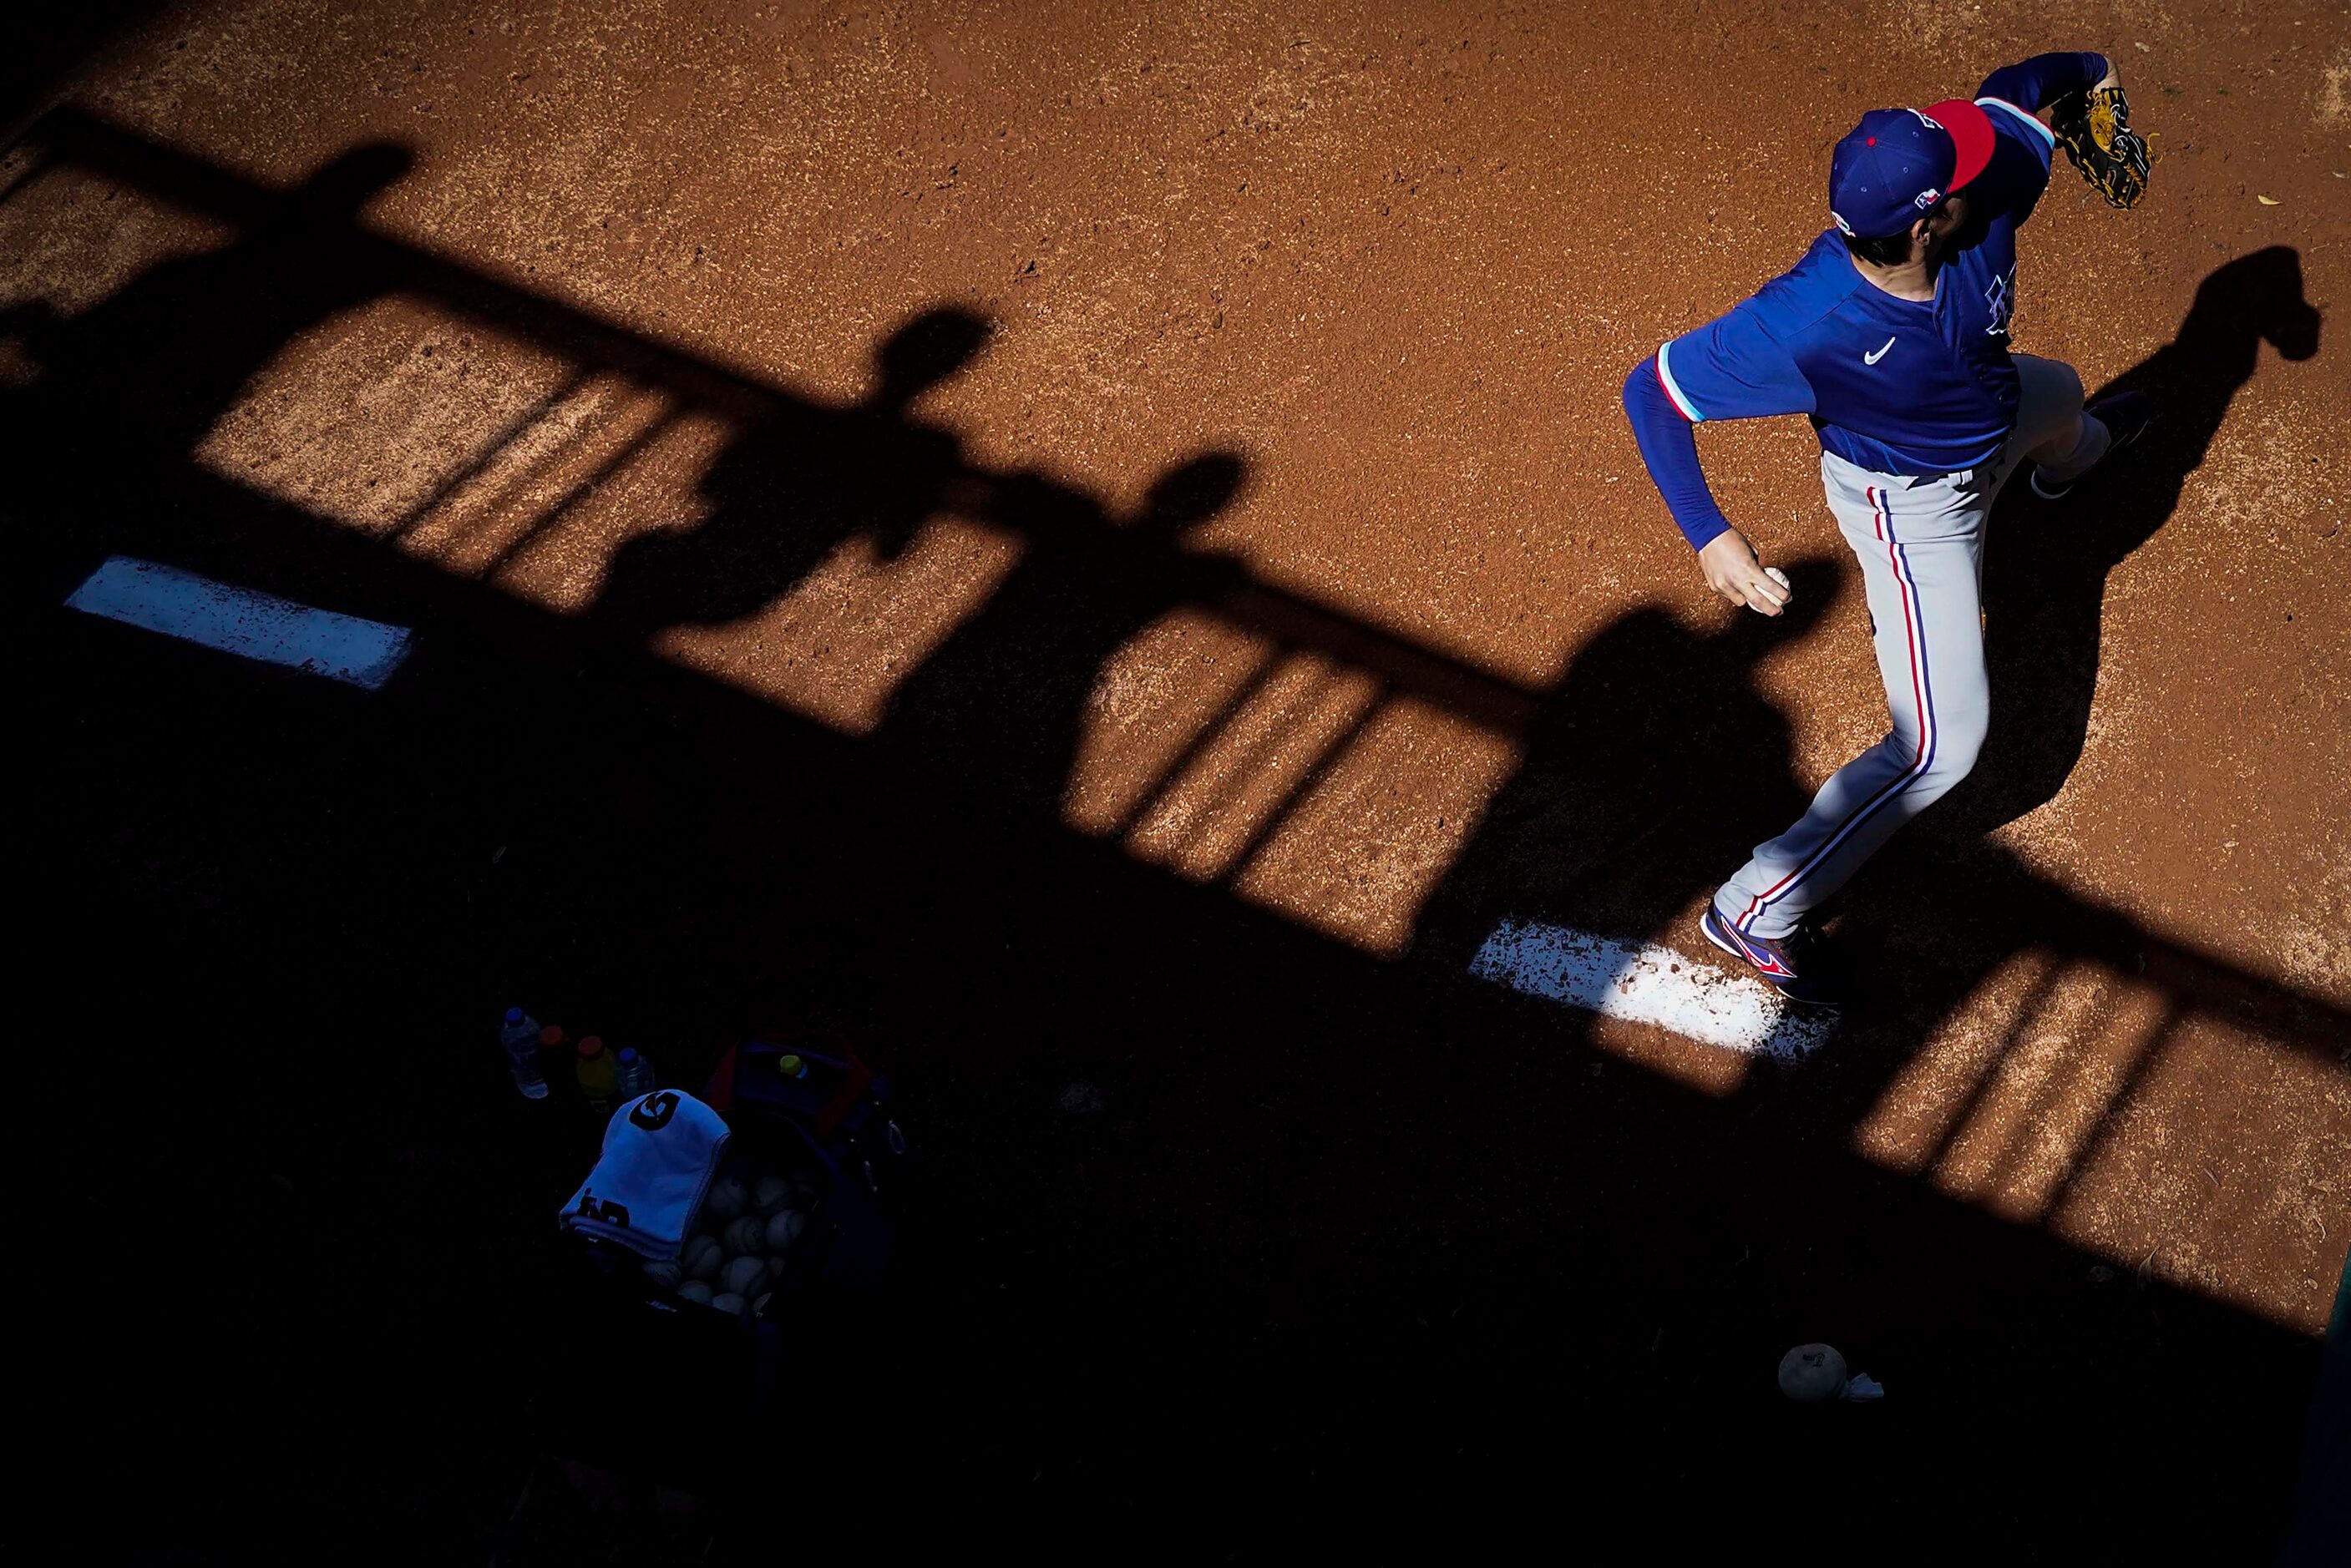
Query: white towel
660	1152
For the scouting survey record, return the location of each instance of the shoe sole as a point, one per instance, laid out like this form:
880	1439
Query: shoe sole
2066	489
1705	930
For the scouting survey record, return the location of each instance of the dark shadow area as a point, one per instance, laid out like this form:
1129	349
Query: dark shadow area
1648	769
803	479
1005	695
157	363
42	44
1348	1234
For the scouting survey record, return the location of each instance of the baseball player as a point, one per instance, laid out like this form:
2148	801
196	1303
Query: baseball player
1891	335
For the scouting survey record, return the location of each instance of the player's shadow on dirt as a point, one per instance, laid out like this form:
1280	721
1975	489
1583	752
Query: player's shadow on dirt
2046	571
2047	562
1650	768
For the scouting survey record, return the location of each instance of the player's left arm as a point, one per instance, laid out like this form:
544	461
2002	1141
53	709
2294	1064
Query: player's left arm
2031	85
2089	117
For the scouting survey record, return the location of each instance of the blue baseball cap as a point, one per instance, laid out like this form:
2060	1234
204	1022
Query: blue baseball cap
1898	162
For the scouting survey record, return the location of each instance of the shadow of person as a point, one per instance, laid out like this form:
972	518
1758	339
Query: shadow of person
1646	772
788	490
2045	578
2047	563
144	374
1004	697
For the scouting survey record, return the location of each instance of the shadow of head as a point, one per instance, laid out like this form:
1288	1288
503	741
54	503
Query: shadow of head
927	350
1191	493
339	188
2257	296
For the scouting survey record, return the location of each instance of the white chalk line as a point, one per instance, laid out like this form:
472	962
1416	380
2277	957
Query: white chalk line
243	621
1650	984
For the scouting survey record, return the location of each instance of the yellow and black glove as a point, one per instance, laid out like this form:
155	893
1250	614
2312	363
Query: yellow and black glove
2094	127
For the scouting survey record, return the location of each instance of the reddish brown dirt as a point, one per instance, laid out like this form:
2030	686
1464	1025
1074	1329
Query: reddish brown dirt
1243	593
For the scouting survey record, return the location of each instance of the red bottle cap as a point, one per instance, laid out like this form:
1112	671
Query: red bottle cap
593	1045
551	1036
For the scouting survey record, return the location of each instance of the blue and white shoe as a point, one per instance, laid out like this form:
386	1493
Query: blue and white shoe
2125	416
1794	964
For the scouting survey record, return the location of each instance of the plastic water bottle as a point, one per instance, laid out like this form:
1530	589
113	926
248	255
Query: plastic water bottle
634	1075
595	1075
519	1037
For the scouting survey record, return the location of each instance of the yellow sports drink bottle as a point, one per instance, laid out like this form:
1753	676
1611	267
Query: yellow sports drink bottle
595	1075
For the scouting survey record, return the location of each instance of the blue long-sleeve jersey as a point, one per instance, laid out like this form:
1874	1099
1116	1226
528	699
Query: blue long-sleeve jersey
1895	385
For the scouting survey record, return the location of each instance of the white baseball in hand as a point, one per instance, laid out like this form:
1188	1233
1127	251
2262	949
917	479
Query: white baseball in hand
1776	575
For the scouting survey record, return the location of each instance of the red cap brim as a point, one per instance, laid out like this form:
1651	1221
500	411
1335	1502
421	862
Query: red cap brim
1971	135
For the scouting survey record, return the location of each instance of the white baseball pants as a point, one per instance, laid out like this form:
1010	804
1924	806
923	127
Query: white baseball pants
1920	543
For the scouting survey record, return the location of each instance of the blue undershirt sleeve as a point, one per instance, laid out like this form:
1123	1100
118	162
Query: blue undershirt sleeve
2033	85
1668	444
1730	368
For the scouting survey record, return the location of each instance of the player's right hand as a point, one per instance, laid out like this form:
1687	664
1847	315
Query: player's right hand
1732	570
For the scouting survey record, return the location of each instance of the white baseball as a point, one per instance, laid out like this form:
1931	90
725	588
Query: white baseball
1812	1373
725	1200
784	1228
746	1277
702	1257
743	1234
694	1290
663	1272
730	1303
1776	575
770	1193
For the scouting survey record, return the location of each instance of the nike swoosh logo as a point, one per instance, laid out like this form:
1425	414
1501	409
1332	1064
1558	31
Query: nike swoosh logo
1873	358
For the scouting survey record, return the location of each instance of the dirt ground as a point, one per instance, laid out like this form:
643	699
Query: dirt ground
1095	545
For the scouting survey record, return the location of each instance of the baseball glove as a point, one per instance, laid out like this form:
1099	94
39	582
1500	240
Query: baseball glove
2094	127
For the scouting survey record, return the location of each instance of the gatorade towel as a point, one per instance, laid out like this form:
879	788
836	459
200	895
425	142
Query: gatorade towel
660	1152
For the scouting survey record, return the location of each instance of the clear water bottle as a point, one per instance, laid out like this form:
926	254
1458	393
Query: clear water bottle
519	1037
634	1075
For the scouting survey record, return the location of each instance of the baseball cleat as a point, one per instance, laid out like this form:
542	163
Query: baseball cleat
1794	964
2125	416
